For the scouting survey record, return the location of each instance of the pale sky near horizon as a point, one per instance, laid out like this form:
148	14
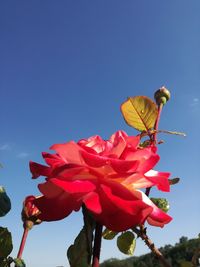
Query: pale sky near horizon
65	68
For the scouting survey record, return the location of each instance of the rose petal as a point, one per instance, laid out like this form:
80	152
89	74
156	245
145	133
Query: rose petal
39	170
56	208
71	187
70	152
119	211
123	166
53	160
157	217
160	179
119	143
136	181
93	160
92	202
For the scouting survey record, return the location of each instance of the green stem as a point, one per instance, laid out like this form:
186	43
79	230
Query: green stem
97	245
23	241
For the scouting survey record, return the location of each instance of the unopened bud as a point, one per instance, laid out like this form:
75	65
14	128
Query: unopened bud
162	95
30	212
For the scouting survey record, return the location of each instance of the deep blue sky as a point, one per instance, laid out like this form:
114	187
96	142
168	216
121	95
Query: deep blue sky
65	68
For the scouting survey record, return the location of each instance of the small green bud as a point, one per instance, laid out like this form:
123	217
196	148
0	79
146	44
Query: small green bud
5	204
161	203
162	95
19	263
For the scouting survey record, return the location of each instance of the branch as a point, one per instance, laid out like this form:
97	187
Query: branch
142	234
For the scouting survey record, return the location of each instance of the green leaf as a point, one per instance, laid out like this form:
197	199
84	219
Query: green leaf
174	181
108	234
5	242
140	112
161	203
77	253
5	204
126	243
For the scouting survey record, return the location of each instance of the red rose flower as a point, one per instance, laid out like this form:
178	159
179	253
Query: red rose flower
105	176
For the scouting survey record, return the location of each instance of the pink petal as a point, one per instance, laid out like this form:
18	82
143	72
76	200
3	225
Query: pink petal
123	166
147	158
70	152
157	217
94	144
116	136
120	208
93	160
131	147
53	160
71	187
136	181
119	144
160	179
70	171
56	208
39	170
92	202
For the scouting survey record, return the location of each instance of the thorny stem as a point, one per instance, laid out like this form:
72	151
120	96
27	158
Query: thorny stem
142	234
97	245
23	241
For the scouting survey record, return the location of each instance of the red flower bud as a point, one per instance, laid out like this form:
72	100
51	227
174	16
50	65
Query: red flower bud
30	212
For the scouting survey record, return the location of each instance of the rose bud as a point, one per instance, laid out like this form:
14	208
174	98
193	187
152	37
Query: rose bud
30	212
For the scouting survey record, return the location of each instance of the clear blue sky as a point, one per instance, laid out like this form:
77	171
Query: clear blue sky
65	68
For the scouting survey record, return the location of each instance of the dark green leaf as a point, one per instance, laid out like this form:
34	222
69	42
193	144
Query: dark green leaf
5	242
5	204
174	181
77	253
